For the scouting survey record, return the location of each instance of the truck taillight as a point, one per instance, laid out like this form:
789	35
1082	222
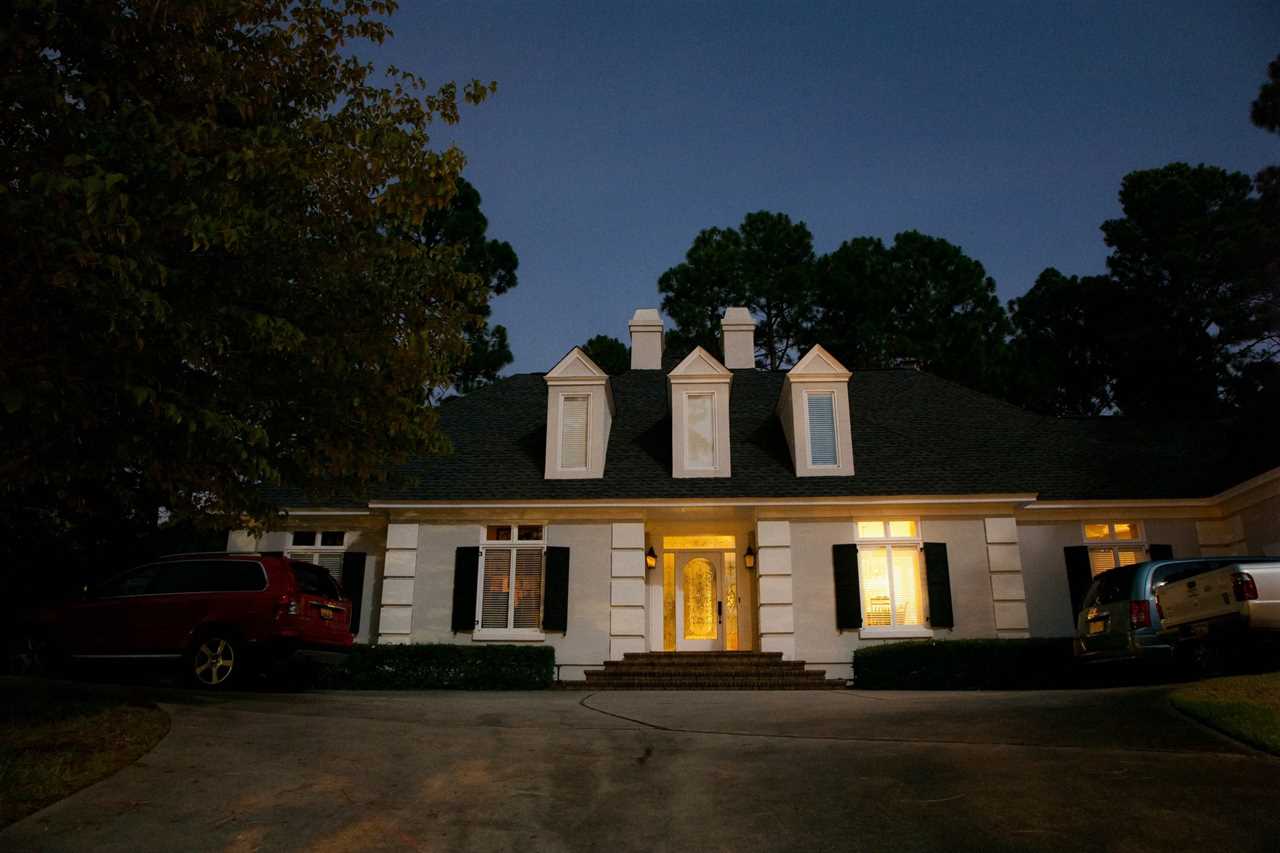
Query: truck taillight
1139	614
1244	587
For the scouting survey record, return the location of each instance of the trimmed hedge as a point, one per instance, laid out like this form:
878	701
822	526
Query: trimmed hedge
965	665
440	666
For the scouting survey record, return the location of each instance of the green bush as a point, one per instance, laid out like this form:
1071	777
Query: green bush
965	665
444	667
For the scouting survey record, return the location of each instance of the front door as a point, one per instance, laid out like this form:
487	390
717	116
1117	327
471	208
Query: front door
698	601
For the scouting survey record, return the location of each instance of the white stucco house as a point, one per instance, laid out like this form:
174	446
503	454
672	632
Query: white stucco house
699	503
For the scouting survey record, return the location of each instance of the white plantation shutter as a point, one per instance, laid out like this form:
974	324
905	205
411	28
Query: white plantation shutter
526	612
822	429
496	588
332	563
573	433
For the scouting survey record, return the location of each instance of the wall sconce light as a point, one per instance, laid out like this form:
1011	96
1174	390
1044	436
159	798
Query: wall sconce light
749	558
650	558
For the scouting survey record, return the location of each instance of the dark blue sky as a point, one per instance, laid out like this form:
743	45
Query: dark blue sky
620	130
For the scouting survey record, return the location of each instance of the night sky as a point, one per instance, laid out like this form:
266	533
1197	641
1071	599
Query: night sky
621	130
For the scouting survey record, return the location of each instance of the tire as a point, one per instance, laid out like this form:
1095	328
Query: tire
216	661
29	654
1202	659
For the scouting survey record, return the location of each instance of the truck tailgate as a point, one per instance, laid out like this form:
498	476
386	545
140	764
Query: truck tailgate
1205	596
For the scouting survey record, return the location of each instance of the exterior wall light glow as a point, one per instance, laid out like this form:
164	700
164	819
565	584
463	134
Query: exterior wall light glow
650	558
749	558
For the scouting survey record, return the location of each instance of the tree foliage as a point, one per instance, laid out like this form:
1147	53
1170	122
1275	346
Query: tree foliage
223	265
610	354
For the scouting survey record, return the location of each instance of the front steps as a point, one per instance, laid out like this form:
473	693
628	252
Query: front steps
707	671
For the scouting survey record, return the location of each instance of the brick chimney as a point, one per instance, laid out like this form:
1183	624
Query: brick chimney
646	339
738	339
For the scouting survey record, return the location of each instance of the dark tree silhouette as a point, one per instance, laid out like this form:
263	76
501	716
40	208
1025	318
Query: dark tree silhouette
610	354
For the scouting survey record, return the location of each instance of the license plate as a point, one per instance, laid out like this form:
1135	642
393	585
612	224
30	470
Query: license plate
326	612
1097	627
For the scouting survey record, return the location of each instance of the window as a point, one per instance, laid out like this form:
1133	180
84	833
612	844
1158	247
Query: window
314	581
328	554
891	573
821	410
133	582
1113	544
509	599
700	431
209	576
573	433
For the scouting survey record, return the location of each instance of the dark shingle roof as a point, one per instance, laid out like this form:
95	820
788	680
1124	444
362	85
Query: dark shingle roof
913	434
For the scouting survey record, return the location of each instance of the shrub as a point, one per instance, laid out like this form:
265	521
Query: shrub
965	665
440	666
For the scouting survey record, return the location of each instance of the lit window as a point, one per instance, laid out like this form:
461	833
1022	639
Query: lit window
892	575
510	581
573	433
700	432
1113	544
822	429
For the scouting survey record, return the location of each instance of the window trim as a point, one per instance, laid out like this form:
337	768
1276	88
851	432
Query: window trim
586	457
715	432
891	631
835	429
1115	546
311	553
513	544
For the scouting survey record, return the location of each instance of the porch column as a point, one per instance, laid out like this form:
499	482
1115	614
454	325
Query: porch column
395	618
626	590
777	617
1008	593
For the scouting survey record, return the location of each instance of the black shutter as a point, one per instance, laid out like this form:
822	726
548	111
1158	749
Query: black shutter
466	567
937	575
353	585
844	561
555	591
1079	575
1160	552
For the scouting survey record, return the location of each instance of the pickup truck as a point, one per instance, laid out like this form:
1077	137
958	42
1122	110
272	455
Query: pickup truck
1204	615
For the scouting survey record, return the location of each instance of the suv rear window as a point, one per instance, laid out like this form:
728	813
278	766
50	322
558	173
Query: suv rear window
1115	585
313	580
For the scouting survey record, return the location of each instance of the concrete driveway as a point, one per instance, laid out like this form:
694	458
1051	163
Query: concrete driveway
848	771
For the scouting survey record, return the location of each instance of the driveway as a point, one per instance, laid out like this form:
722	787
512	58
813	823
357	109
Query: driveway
843	770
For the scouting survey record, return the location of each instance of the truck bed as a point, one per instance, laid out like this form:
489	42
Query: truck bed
1246	596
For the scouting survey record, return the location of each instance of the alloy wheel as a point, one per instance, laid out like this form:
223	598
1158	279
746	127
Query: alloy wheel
214	662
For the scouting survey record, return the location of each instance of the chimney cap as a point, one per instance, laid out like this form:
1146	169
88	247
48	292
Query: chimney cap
738	317
645	318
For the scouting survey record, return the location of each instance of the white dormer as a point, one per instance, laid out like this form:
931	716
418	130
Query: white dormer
579	416
814	411
700	416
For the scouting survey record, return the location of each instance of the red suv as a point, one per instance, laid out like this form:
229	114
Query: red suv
221	614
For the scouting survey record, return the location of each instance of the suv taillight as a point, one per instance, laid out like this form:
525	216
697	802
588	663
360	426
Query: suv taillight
1139	614
1243	585
286	605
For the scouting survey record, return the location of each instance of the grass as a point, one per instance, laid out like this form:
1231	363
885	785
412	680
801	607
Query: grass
56	740
1246	707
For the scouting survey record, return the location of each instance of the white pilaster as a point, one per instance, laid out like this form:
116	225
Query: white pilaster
395	618
1008	593
777	610
627	621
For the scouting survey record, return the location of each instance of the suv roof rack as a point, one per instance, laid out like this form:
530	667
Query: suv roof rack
220	554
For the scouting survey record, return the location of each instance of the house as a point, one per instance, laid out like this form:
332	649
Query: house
698	503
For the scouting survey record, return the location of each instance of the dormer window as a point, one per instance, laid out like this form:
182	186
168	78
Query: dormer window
814	410
579	416
574	411
700	416
820	406
700	432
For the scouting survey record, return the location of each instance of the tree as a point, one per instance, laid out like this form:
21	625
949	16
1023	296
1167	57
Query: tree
921	301
610	354
1188	260
766	265
1061	365
216	277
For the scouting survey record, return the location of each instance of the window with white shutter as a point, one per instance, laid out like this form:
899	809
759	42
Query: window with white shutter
821	410
892	578
573	433
509	603
1113	544
324	549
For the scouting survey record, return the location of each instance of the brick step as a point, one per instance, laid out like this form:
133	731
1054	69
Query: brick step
704	683
701	658
664	673
636	670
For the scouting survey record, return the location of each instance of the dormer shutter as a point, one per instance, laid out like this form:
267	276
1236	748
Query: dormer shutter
573	433
822	429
